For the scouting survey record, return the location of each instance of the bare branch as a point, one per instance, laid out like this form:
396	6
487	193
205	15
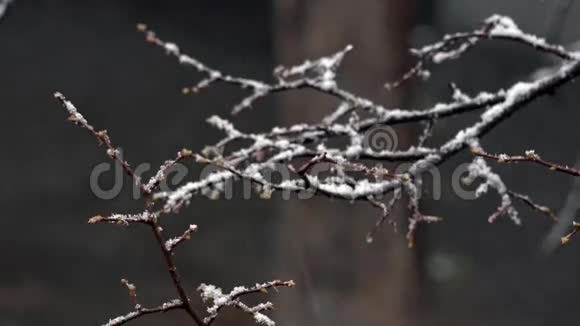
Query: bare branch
532	157
173	272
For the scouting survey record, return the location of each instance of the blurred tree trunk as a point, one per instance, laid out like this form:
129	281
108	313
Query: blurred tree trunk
321	243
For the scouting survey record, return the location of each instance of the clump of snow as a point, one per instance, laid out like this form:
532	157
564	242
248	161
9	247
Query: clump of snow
224	125
171	48
503	24
75	115
515	93
479	169
441	57
263	319
531	154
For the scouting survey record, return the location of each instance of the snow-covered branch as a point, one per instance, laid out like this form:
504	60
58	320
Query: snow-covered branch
352	170
221	300
124	219
452	46
288	145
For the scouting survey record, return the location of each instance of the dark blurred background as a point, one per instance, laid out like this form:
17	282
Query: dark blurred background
57	269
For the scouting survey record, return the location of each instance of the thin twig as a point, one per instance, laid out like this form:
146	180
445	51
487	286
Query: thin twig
531	157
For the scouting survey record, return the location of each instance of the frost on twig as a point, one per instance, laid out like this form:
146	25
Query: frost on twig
102	137
174	242
140	312
531	157
124	219
161	174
